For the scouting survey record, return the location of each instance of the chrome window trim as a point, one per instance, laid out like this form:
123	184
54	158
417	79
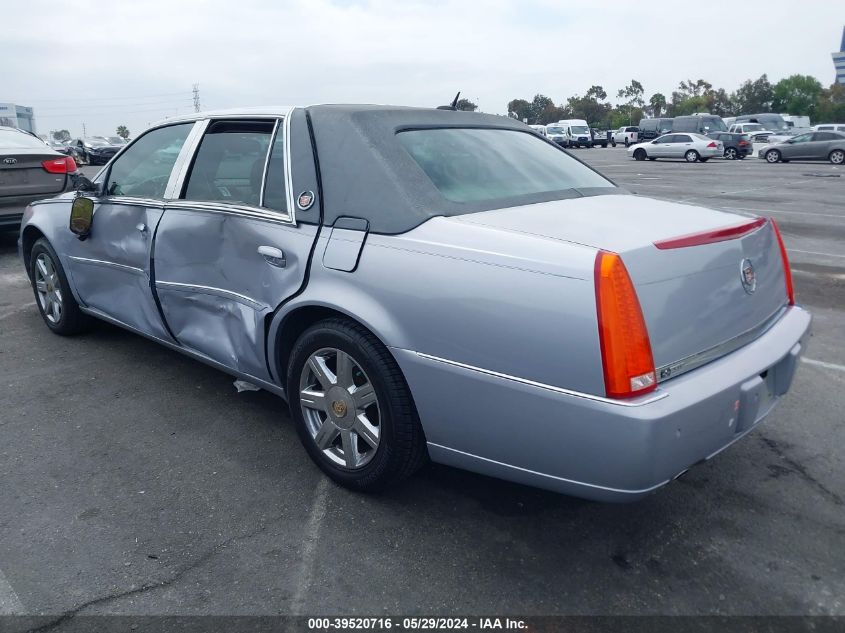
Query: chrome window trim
230	209
635	402
288	172
130	201
267	164
184	160
216	206
212	290
694	361
115	265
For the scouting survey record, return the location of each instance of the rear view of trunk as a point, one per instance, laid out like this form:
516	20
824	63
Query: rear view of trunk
707	294
33	173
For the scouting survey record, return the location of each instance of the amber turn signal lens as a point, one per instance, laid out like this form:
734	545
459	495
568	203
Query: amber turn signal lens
625	346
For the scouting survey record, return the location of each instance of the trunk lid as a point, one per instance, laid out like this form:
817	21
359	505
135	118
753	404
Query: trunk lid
21	173
693	298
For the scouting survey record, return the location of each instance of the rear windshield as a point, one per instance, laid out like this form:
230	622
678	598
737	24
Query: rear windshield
479	165
9	139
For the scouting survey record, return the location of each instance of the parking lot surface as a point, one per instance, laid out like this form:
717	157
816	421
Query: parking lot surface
137	481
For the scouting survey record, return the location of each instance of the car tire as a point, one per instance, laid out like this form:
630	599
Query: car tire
691	156
604	145
772	156
626	142
365	457
53	296
837	157
639	154
613	143
731	153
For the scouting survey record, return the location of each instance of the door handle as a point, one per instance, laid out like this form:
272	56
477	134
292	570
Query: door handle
273	256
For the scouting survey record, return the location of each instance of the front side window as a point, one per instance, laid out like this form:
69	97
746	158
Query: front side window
229	165
802	138
475	165
143	170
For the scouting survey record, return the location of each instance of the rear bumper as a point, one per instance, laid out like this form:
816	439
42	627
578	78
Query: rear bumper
12	209
594	447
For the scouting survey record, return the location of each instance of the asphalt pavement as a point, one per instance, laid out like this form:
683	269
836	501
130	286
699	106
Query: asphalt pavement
134	480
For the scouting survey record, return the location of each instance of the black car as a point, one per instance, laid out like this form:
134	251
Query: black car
650	129
736	145
29	171
94	151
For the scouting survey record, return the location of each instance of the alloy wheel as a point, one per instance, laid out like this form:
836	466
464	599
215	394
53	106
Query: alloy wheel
773	156
48	288
340	408
837	157
730	153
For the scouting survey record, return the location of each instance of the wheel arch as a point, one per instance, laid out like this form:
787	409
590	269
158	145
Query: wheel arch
29	236
291	320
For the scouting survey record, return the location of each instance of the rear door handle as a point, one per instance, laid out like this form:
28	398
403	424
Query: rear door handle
273	256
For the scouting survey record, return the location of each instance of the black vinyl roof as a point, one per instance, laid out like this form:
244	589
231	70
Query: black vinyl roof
366	173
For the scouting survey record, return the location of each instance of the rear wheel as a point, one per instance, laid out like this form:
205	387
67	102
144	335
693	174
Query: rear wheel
731	153
691	156
639	154
626	142
772	156
352	407
55	301
837	157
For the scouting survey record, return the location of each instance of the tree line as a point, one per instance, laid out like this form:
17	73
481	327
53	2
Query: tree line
797	95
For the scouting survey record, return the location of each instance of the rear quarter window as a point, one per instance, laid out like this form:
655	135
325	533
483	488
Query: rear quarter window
476	165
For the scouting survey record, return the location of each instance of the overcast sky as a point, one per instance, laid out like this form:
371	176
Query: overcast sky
110	63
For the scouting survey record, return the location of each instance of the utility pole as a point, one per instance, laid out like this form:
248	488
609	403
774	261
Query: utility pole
196	97
84	132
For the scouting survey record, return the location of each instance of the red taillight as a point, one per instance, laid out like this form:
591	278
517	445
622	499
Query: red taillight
709	237
64	165
623	337
787	272
711	144
743	143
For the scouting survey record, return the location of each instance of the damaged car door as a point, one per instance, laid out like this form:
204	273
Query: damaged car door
228	251
111	266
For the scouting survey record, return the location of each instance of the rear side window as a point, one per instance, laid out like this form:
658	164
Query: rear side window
143	170
475	165
632	129
229	165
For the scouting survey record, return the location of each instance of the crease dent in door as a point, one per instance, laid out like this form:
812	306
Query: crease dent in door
206	322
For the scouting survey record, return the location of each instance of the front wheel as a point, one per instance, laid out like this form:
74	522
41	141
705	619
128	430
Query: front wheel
691	156
639	154
55	301
352	408
837	157
772	156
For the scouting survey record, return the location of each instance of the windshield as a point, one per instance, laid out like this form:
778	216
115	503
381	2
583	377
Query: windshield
579	129
95	142
554	130
752	127
9	139
714	124
115	140
475	165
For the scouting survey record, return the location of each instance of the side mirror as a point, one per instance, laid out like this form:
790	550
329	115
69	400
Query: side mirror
81	217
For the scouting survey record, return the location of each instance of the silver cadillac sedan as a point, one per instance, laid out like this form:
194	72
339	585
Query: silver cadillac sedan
430	284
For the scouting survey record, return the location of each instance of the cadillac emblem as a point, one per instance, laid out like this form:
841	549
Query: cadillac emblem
339	408
305	200
747	276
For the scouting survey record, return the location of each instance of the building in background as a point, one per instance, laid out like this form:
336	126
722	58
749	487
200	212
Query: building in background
12	115
839	60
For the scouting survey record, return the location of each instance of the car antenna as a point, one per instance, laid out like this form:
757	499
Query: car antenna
453	105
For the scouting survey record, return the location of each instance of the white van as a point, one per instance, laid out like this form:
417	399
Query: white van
796	121
540	129
577	132
829	127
